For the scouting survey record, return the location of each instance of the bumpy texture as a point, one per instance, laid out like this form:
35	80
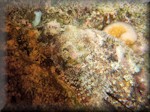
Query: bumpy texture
98	67
54	66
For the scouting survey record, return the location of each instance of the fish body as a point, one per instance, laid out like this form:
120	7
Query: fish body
99	67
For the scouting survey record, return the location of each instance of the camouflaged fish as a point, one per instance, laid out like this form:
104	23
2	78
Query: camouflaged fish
99	67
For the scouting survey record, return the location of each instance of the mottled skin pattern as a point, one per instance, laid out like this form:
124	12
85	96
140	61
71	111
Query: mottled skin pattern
94	74
84	66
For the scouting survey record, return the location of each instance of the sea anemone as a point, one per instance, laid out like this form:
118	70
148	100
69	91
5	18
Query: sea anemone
123	31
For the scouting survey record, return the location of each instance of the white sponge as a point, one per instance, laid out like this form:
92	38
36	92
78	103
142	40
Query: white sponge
38	15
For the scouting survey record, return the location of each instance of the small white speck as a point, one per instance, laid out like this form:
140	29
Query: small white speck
127	77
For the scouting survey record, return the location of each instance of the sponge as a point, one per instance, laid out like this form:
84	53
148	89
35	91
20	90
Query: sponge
123	31
37	20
